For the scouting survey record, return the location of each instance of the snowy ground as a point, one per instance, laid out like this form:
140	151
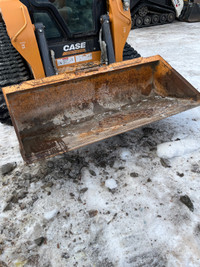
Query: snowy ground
129	201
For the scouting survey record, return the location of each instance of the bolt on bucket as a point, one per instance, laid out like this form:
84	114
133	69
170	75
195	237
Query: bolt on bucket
64	112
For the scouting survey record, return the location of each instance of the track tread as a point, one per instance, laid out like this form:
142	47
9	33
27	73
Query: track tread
12	70
129	52
135	15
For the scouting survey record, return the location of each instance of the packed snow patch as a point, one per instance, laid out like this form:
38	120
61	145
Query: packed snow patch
177	148
111	184
9	145
50	214
125	154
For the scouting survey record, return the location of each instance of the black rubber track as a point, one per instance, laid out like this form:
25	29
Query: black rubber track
13	70
129	52
168	20
139	15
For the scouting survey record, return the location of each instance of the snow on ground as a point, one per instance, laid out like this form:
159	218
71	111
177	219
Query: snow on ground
178	148
129	201
9	146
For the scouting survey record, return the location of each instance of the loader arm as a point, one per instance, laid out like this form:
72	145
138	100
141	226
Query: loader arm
120	26
21	32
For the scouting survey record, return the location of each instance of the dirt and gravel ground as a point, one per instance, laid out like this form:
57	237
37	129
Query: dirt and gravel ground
129	201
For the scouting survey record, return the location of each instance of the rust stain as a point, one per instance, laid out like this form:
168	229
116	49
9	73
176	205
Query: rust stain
122	119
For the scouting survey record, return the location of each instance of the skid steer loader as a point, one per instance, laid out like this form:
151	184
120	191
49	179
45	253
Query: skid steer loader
146	13
84	83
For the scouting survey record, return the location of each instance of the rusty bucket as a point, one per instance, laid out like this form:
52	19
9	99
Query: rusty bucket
64	112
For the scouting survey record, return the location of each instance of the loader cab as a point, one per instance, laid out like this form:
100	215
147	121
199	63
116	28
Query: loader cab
67	18
68	23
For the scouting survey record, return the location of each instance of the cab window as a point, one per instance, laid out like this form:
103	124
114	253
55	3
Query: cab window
51	29
77	14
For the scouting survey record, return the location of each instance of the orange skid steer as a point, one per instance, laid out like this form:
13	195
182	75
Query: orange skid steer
70	79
